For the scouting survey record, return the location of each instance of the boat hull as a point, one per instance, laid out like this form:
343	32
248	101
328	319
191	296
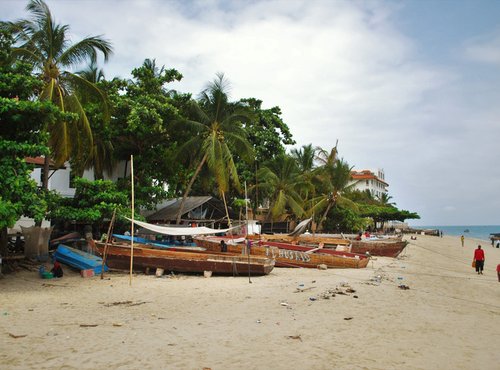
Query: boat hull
288	255
118	257
379	248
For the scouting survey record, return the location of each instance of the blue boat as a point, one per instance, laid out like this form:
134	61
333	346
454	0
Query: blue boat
78	259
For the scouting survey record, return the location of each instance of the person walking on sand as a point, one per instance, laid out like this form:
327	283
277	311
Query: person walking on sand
498	272
462	239
479	258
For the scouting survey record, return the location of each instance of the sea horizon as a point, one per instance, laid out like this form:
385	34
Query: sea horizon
474	231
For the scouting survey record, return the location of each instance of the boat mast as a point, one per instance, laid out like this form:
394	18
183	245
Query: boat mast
132	224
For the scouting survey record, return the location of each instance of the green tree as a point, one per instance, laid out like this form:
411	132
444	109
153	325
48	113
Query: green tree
143	114
46	45
21	135
219	134
93	202
332	181
278	181
305	157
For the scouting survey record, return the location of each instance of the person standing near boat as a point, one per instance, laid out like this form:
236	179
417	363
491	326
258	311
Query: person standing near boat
462	239
223	246
479	259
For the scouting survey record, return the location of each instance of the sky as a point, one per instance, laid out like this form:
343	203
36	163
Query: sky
411	87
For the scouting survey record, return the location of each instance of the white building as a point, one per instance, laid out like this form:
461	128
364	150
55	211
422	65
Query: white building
373	181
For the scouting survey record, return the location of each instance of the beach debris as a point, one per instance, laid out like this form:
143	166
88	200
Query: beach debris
284	304
312	298
322	267
344	284
348	318
207	274
207	368
355	296
117	324
300	290
88	325
16	336
403	287
159	272
294	337
124	303
258	321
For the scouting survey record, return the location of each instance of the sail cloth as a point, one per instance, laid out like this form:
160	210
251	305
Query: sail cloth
300	228
179	231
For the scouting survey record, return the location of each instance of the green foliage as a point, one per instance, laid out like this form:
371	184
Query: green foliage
21	135
278	182
18	192
267	132
143	113
383	213
341	219
93	202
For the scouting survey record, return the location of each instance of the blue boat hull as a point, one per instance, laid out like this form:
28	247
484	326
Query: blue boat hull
79	259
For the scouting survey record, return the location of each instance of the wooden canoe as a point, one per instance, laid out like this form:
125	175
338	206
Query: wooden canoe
303	239
386	248
289	255
118	257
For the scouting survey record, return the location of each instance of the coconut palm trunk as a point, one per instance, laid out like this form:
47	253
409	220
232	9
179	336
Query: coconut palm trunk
188	189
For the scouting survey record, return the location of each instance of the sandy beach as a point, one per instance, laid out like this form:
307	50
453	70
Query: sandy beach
449	318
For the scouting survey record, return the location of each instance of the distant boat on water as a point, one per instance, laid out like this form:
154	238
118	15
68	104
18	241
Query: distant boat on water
466	230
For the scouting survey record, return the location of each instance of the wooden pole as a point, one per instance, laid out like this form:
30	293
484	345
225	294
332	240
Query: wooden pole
246	234
108	237
227	212
132	224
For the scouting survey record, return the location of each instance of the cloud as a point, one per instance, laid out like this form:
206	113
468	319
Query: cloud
484	49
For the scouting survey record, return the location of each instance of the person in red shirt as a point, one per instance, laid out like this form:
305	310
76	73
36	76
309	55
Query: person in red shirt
479	258
498	272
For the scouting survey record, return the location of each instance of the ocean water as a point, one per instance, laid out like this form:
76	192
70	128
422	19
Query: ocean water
475	231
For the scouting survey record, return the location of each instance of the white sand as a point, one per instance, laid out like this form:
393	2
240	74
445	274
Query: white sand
448	319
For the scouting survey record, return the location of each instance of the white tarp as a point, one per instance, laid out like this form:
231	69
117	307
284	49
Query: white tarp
179	231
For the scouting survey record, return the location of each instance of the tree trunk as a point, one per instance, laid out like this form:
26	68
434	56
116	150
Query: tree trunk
3	242
45	180
320	224
188	189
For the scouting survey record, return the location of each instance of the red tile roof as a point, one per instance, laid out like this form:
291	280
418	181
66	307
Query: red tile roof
366	175
39	161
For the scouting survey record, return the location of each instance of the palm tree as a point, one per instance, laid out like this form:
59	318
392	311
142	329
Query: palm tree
219	134
46	45
384	200
279	179
101	150
304	157
334	177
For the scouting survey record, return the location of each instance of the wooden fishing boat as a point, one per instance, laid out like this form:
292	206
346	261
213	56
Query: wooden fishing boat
288	255
303	239
118	257
388	247
383	247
